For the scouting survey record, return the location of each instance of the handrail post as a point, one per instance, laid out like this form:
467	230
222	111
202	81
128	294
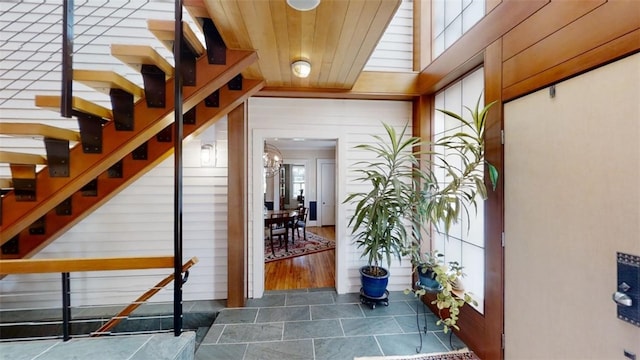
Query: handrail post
66	307
67	59
177	211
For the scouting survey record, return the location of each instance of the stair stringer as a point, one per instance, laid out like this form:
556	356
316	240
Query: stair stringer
148	122
83	206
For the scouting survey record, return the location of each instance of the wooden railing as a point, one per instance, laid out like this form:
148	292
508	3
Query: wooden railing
68	265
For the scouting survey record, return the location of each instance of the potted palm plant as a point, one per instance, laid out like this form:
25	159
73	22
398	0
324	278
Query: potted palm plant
379	218
401	193
434	276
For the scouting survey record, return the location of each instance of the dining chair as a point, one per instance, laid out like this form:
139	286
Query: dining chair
301	222
278	227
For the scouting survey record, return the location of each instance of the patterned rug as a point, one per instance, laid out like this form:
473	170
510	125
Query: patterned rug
314	243
463	354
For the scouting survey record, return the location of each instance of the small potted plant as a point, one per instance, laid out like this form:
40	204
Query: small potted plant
443	279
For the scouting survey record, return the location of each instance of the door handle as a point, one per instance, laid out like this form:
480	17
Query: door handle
622	299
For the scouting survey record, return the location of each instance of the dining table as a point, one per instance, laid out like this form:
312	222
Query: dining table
288	217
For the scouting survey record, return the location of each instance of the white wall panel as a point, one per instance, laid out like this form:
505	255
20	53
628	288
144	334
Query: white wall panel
394	51
139	222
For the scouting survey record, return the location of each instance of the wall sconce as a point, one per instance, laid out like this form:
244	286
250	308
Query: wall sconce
301	68
208	155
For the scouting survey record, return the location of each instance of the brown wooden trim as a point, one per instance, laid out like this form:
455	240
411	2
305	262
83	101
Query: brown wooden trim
490	5
37	266
421	34
237	206
377	85
462	56
554	16
483	332
423	111
625	45
573	40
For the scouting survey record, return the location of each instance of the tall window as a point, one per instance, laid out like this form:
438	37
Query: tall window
451	19
298	179
465	242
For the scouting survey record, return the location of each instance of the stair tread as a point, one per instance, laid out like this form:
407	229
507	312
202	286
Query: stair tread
105	80
197	9
164	30
53	102
9	157
137	55
34	129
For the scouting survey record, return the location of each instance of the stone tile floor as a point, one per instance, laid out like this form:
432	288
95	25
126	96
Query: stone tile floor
319	324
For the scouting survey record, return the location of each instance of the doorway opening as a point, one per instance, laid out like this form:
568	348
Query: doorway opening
307	180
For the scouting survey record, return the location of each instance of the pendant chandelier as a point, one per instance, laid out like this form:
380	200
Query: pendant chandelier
271	160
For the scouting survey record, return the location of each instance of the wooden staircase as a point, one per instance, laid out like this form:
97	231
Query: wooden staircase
116	146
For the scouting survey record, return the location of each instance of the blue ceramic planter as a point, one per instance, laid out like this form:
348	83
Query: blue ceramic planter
374	286
427	279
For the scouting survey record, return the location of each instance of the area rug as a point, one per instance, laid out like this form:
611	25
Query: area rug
314	243
463	354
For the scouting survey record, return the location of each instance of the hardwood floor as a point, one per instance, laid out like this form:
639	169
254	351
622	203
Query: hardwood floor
309	271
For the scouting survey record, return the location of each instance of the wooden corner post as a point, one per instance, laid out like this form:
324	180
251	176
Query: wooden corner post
237	207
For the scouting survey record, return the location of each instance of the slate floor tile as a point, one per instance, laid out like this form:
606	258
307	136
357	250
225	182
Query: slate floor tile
242	333
335	311
283	313
370	326
346	348
289	350
312	329
236	316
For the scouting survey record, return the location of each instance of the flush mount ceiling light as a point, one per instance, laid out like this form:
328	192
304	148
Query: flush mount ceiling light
301	68
303	5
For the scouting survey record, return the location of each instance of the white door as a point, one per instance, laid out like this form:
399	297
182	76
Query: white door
327	192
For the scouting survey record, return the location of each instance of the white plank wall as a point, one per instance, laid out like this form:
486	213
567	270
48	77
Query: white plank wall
139	222
394	52
350	122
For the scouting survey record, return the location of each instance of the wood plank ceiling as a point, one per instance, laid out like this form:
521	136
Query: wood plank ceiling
337	38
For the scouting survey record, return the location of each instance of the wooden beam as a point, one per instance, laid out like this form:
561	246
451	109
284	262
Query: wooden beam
377	85
237	206
38	266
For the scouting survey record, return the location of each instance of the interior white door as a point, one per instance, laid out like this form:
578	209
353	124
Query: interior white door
327	192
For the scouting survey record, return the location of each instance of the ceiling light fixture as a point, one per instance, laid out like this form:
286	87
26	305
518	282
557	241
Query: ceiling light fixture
271	160
301	68
303	5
